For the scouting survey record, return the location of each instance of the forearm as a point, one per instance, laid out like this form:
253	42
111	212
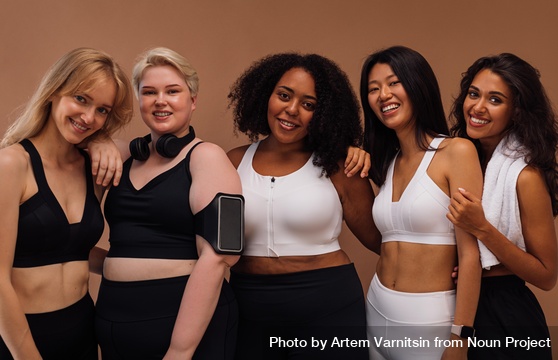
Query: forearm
468	290
14	328
521	263
197	307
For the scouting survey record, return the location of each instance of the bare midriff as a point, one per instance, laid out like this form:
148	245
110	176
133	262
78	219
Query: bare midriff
51	287
289	264
137	269
416	268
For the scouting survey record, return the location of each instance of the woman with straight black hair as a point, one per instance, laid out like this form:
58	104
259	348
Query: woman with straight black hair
412	296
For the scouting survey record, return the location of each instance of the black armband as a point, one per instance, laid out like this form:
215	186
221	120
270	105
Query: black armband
221	223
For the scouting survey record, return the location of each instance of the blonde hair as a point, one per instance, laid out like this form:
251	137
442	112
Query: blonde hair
80	69
162	56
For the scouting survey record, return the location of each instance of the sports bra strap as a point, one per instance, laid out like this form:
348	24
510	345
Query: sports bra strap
429	155
36	163
187	160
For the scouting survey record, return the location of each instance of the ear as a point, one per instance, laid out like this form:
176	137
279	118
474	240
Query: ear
194	101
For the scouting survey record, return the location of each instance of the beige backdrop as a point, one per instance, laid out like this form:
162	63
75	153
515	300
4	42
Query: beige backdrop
222	37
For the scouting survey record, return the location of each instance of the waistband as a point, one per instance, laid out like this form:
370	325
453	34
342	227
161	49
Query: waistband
73	312
490	282
300	276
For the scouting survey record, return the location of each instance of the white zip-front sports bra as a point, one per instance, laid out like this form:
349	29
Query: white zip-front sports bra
293	215
420	214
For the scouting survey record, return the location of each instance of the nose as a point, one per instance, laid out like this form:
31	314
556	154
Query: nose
88	115
292	108
160	100
385	93
479	107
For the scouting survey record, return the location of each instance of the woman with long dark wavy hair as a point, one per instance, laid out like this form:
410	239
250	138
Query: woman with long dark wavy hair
503	108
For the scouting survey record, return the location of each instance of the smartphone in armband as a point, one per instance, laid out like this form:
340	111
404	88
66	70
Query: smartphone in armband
221	223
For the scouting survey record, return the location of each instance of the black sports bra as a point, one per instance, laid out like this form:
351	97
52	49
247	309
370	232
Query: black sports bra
155	221
44	235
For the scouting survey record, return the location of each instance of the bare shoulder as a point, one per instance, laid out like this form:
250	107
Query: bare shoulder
236	154
208	154
458	147
530	178
14	159
206	150
14	168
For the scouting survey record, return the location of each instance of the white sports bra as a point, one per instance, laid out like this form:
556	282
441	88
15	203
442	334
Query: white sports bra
420	214
293	215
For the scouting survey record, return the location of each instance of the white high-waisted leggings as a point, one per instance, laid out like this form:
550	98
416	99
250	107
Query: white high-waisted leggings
403	326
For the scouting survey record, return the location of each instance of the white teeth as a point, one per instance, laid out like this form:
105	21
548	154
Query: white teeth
80	127
390	107
479	121
162	113
286	123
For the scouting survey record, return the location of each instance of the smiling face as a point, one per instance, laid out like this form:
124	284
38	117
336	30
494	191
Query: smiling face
388	99
488	107
291	106
166	104
83	113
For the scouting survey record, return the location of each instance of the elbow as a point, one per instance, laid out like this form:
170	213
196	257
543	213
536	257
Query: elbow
231	260
548	284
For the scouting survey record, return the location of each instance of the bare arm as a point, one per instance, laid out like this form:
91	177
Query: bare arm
538	264
107	156
467	174
14	328
357	199
212	172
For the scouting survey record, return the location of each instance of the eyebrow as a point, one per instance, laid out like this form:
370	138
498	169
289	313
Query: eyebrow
292	91
91	99
387	78
493	92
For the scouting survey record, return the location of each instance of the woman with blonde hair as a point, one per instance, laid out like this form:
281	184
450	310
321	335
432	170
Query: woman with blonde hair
51	216
163	294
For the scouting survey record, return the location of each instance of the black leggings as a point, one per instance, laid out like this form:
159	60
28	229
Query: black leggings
135	320
63	334
321	304
507	308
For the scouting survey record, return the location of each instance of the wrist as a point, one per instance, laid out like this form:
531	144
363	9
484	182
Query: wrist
463	331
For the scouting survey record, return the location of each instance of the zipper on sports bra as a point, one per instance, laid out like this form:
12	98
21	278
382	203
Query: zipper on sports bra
270	242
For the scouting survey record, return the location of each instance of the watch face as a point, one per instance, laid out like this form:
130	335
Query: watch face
467	332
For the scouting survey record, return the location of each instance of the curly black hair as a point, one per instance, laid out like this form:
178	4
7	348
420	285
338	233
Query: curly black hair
533	120
335	124
420	84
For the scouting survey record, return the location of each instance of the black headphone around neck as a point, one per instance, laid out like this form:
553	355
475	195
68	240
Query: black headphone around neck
167	145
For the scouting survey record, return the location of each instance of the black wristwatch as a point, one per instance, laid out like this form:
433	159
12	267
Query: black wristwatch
463	331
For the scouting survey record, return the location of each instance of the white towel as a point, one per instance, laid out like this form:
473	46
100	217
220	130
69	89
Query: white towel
499	195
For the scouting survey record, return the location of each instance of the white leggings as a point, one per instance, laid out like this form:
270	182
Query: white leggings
403	326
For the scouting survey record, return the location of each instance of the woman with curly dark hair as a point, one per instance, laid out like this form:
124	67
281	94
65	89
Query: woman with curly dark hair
504	109
414	165
293	282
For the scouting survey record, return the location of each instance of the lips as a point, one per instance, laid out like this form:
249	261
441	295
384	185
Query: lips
389	107
162	113
78	125
287	124
478	121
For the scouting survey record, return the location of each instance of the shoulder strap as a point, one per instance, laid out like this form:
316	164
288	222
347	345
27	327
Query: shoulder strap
36	163
187	160
429	155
